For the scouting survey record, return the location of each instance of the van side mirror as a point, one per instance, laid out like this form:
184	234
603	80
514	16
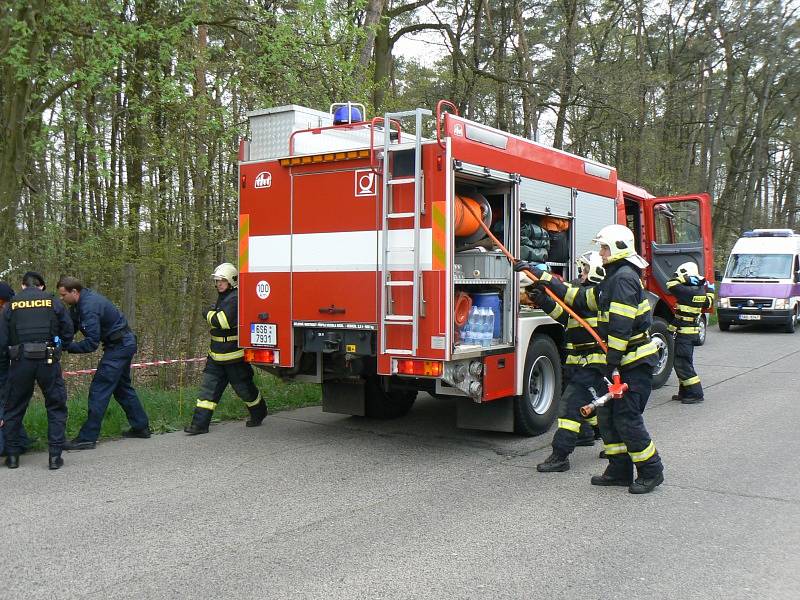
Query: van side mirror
717	274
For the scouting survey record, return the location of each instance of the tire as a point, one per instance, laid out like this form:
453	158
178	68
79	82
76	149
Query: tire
703	324
791	325
537	407
661	335
724	325
381	404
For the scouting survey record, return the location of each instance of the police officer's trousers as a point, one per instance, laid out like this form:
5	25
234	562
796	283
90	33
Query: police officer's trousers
626	440
570	422
690	386
22	374
113	376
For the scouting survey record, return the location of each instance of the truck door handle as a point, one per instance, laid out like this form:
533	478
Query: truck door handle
331	310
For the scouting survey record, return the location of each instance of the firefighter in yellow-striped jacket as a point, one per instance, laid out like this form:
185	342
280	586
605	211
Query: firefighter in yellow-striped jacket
584	366
691	292
225	363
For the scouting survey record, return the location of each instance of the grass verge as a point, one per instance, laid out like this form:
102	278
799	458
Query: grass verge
169	409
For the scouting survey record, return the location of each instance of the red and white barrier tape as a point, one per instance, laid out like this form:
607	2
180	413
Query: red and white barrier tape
154	363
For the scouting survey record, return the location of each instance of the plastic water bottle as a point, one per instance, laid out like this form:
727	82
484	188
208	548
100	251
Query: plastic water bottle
489	326
471	327
486	333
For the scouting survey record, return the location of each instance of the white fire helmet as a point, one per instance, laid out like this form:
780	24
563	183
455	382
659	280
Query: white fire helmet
227	272
686	270
592	262
620	242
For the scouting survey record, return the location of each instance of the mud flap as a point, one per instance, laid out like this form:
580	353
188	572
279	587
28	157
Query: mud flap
344	397
497	415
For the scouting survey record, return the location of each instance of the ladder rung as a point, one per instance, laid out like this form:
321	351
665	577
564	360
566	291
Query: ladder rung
404	215
403	319
400	283
400	248
399	351
401	181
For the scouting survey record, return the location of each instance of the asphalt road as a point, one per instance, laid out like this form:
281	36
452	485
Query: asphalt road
322	506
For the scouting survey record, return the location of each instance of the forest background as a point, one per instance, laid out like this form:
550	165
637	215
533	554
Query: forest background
120	120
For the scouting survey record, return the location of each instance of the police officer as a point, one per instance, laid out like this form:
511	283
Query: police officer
225	363
6	294
585	364
623	318
32	328
102	322
691	292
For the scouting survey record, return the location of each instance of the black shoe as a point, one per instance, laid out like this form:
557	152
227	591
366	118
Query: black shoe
56	462
606	480
690	400
193	429
602	454
12	461
677	398
597	435
585	441
555	463
77	444
136	433
645	486
257	414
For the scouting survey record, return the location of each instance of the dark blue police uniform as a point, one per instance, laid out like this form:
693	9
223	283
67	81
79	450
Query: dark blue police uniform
102	322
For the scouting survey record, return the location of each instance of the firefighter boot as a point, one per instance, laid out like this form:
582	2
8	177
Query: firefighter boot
645	486
12	461
258	412
201	419
677	398
555	463
55	462
614	475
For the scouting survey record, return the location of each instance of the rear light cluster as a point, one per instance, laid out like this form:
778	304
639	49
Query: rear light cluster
261	356
420	368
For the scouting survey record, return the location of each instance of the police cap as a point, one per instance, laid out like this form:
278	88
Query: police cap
6	293
35	276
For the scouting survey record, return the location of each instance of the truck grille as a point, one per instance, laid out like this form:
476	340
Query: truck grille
756	302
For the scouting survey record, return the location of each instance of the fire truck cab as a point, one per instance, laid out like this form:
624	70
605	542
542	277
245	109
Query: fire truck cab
359	261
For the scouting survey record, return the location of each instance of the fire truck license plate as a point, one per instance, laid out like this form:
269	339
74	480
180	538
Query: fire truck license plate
263	334
750	317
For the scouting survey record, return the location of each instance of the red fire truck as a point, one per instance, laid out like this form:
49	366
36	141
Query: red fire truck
358	261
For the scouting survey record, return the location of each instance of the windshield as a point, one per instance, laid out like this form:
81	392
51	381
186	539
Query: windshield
760	266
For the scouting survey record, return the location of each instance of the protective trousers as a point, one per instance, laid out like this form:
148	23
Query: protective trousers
690	386
22	374
570	422
626	440
216	377
113	376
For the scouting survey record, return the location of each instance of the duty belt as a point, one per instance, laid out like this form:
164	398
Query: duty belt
113	338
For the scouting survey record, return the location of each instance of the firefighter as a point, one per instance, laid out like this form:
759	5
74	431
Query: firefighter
691	292
225	363
33	327
585	364
103	323
6	294
623	318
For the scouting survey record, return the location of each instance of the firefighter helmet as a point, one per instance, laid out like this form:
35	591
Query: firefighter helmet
687	270
227	272
592	262
620	242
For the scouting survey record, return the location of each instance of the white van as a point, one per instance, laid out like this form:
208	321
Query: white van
762	280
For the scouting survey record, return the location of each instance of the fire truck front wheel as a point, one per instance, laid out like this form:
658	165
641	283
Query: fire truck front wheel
536	408
661	335
386	404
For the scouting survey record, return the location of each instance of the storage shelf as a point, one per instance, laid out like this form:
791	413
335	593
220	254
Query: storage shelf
466	281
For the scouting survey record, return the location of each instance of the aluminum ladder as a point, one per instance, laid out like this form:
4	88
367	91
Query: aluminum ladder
388	316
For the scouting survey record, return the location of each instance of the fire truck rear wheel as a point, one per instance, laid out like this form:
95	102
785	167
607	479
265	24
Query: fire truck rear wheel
382	404
535	410
661	335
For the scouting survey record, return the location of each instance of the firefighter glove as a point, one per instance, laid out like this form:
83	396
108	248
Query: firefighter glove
536	294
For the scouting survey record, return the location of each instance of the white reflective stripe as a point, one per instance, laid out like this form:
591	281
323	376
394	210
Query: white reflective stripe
225	356
556	312
223	320
612	449
569	424
254	402
644	454
690	381
586	359
569	297
209	315
617	343
618	308
644	308
592	421
640	352
691	309
207	404
591	300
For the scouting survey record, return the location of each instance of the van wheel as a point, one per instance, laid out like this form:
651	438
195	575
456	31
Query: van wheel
790	326
380	404
661	335
703	326
724	325
536	409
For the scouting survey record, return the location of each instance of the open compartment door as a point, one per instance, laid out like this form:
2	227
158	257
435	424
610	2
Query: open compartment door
679	230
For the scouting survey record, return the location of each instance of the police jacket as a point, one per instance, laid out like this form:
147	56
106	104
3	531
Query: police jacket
582	349
98	320
223	320
692	299
33	316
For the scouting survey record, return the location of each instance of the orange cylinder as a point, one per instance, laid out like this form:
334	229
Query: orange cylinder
465	221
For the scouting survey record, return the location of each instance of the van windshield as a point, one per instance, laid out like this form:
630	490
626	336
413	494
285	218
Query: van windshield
760	266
